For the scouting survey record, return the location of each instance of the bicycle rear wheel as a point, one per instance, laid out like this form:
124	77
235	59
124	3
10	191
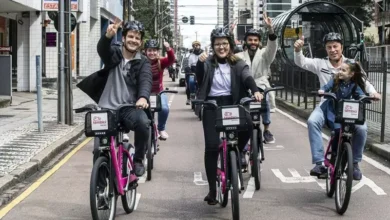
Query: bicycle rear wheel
149	156
234	181
256	165
102	192
344	173
128	200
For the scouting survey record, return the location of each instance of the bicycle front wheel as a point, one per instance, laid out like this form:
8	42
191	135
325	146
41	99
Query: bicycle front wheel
234	181
344	176
256	165
149	157
102	191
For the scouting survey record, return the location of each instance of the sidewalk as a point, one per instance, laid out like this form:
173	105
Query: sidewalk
23	150
373	123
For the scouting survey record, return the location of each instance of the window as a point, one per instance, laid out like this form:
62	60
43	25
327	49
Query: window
272	14
278	7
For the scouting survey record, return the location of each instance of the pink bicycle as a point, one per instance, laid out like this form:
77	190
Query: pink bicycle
339	164
112	173
230	119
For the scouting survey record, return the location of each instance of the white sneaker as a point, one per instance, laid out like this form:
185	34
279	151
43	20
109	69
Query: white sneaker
163	135
126	138
273	110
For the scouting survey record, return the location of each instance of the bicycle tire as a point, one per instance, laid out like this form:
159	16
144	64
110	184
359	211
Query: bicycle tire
94	182
345	159
223	201
234	181
128	200
261	144
256	165
149	157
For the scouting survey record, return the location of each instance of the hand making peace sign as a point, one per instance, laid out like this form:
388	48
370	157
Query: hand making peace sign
113	28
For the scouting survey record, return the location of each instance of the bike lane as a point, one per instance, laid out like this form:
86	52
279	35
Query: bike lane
178	182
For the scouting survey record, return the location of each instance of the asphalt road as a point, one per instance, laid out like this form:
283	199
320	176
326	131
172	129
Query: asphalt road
287	190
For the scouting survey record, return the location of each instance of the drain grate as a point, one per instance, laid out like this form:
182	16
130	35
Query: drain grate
6	116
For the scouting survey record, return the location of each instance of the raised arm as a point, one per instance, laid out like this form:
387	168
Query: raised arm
170	59
300	60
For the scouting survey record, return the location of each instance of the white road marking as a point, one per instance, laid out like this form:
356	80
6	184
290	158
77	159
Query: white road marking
322	184
138	197
366	181
296	177
250	189
198	179
326	137
277	147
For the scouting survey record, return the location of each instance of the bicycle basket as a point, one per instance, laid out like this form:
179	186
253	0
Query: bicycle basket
350	112
155	102
100	123
231	118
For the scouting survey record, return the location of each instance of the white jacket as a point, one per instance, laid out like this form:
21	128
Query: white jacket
323	69
260	67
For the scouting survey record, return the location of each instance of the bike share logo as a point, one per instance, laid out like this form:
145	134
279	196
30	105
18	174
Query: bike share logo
98	120
228	115
349	109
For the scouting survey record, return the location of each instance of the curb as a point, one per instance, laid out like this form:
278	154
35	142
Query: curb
4	103
381	150
36	163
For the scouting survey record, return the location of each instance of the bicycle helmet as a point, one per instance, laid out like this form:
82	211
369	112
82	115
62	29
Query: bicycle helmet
253	32
196	42
152	43
133	26
332	36
222	33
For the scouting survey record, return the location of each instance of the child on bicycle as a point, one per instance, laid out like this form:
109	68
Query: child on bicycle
348	83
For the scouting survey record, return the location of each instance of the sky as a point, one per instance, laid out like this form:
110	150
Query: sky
205	12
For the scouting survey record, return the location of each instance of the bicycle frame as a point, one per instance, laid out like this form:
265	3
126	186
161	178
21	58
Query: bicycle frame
116	161
226	145
343	137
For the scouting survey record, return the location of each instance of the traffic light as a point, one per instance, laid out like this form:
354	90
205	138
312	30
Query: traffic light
261	13
192	20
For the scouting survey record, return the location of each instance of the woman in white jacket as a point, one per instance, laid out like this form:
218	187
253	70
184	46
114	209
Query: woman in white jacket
259	60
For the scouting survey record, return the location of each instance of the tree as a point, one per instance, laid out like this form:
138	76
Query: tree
362	9
145	14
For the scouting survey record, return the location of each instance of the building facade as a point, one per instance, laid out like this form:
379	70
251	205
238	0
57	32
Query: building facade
28	27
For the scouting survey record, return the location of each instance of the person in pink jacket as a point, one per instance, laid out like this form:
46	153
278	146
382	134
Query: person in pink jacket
158	65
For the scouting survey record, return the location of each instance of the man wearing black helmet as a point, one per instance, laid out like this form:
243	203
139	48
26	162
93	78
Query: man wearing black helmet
259	61
126	78
325	69
192	60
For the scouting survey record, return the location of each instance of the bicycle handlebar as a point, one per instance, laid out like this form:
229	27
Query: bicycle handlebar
364	99
267	90
212	103
86	108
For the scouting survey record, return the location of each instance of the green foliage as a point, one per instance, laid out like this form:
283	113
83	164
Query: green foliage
362	9
145	14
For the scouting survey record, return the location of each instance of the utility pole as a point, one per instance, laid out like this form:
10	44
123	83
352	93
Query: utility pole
68	65
60	78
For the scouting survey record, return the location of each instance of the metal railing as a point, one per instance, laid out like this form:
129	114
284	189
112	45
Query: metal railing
300	83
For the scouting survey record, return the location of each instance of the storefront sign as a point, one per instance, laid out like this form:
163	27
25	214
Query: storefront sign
53	5
51	39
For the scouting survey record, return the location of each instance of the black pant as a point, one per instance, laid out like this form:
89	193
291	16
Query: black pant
137	121
212	139
188	86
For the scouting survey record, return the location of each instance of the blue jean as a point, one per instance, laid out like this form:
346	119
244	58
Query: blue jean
267	115
163	114
315	123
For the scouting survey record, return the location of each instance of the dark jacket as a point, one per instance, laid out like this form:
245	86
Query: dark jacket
139	75
241	79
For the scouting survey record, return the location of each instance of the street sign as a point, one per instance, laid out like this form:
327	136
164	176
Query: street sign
52	5
5	49
73	22
184	19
